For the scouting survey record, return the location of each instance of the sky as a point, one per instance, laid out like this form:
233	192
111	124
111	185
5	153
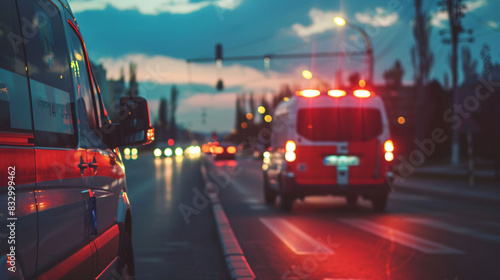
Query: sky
160	35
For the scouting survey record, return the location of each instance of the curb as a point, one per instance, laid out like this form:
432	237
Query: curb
461	178
235	260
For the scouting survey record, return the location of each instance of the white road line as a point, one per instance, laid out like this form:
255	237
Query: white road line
405	239
455	229
242	190
295	239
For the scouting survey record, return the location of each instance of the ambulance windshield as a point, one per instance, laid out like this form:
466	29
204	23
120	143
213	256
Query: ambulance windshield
339	124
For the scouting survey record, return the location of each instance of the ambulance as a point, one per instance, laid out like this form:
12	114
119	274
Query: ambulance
63	189
334	142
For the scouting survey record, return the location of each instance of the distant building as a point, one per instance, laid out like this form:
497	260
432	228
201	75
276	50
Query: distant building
100	76
117	89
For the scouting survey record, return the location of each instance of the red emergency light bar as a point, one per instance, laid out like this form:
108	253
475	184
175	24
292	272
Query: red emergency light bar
359	93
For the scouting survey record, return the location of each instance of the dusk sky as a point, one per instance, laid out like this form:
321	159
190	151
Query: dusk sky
159	35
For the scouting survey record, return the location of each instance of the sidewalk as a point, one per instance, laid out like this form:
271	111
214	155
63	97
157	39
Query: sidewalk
458	173
452	182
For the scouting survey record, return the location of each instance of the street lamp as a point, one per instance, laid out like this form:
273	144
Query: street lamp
368	44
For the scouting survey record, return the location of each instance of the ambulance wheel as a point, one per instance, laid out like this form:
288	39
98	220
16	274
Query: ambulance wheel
351	199
269	195
379	203
126	258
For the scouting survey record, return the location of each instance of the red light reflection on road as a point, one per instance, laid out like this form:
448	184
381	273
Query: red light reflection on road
221	163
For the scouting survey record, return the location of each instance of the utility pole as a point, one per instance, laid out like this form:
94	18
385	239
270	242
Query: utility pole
204	116
455	10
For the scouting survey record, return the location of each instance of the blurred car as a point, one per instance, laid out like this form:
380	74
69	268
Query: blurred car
130	153
224	151
163	149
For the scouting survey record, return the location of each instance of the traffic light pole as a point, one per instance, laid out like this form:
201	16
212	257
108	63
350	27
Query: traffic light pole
277	56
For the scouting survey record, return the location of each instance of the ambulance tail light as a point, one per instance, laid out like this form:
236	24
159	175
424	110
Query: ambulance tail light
336	93
362	93
308	93
389	149
290	148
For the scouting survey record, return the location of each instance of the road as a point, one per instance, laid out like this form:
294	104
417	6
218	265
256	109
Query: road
419	237
165	246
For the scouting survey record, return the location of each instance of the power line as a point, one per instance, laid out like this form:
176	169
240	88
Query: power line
277	56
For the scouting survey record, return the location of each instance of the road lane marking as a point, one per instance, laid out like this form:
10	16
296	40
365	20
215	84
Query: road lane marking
455	229
405	239
242	190
295	239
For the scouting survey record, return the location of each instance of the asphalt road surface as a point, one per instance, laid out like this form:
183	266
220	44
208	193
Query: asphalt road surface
165	246
419	237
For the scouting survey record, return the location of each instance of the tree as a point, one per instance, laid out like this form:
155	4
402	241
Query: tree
354	79
469	66
239	114
251	104
486	57
394	76
285	91
133	89
162	112
173	108
422	57
161	126
490	112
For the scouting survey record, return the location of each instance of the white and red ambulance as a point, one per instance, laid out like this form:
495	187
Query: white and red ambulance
332	142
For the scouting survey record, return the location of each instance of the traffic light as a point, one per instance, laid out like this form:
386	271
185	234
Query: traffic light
218	58
220	85
218	52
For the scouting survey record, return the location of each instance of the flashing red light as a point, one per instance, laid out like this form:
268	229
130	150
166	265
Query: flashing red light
362	93
308	93
336	93
170	142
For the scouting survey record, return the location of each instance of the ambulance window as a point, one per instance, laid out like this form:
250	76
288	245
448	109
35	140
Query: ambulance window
82	77
15	109
339	124
50	81
48	61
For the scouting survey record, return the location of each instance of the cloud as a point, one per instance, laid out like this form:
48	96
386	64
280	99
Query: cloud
473	5
321	22
492	24
153	7
168	70
213	101
438	17
381	17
